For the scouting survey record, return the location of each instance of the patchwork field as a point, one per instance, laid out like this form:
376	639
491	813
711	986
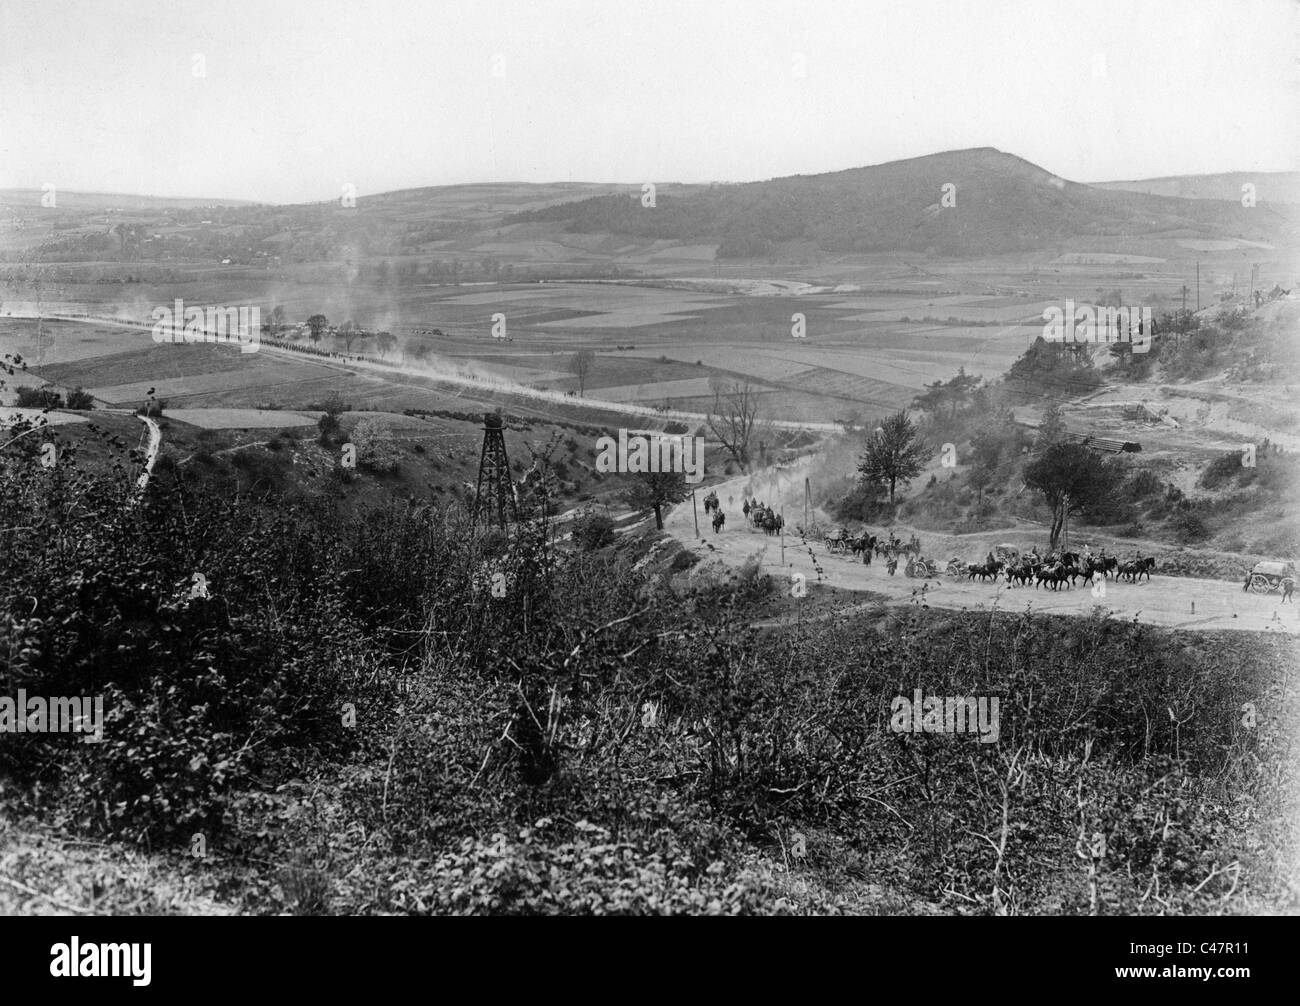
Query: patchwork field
654	336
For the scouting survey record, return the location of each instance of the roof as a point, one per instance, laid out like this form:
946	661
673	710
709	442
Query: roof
1271	568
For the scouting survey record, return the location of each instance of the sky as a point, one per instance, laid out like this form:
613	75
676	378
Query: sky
289	101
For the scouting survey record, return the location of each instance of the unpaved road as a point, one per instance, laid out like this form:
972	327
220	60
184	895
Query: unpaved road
1165	600
150	457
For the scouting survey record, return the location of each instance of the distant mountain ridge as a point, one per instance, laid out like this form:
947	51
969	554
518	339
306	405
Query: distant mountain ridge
1270	186
958	203
72	199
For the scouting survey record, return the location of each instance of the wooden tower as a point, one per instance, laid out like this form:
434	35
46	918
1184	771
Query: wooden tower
495	492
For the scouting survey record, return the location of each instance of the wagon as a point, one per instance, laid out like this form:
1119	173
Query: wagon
1267	576
921	568
1006	553
956	567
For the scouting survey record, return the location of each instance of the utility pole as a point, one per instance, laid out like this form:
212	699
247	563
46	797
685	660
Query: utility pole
807	495
1198	287
695	513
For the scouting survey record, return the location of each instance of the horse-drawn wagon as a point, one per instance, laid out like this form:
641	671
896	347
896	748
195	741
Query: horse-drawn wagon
921	568
1267	576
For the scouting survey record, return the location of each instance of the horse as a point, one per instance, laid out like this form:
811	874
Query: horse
719	519
1053	576
862	545
1135	568
1089	568
985	571
1023	572
1106	565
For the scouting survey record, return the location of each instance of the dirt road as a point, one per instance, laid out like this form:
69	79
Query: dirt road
1179	602
150	457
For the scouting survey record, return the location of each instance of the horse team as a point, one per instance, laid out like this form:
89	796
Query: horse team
1061	569
1055	570
763	517
758	514
868	545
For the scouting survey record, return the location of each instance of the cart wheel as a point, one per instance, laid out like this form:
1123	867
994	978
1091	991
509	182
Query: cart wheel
1259	584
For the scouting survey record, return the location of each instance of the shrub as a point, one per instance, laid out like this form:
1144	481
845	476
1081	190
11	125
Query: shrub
331	430
1142	483
590	874
80	399
1221	469
375	449
1190	528
593	530
39	398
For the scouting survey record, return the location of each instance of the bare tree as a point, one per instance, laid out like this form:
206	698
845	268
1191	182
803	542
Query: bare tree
733	417
580	367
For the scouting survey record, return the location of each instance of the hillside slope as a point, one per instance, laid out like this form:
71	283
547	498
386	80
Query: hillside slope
996	203
1270	186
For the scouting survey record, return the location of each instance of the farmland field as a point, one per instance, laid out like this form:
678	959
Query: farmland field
654	337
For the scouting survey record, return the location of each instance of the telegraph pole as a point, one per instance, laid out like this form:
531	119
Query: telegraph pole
695	514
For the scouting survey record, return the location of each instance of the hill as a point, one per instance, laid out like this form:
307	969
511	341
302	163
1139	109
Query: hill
1270	186
86	201
958	203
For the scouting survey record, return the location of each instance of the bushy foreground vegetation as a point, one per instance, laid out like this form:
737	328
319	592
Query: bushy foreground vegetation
391	713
